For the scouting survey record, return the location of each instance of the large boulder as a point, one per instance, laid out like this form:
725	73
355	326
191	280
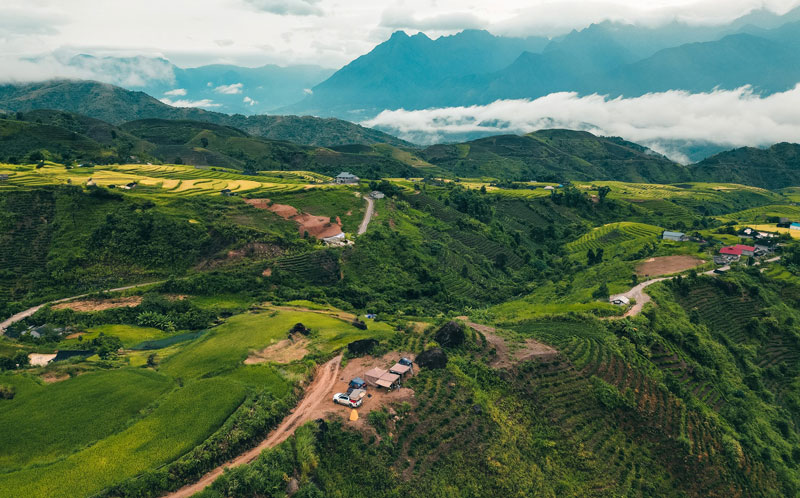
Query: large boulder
451	335
432	358
364	346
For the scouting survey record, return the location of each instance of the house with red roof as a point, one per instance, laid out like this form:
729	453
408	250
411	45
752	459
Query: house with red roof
738	250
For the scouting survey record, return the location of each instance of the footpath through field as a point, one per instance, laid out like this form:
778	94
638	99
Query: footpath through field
637	292
30	311
308	409
367	215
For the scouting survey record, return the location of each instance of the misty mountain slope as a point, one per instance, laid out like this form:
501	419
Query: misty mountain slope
555	155
116	105
732	62
402	71
224	88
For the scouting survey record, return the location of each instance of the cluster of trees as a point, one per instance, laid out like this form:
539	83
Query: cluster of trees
17	360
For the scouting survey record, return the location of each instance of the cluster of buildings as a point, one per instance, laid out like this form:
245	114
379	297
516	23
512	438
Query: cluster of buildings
386	378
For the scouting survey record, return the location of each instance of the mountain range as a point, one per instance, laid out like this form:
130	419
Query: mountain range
416	72
116	105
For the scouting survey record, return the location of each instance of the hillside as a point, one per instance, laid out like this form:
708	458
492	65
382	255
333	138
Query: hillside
692	397
555	155
772	168
116	105
71	138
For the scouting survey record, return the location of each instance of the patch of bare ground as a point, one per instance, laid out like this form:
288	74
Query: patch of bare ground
316	226
53	377
39	359
667	265
256	249
100	304
376	398
75	335
507	356
285	351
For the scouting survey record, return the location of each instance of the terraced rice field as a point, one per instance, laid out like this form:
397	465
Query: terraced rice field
616	238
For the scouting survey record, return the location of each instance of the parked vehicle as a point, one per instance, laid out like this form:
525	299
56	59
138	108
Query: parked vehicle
344	399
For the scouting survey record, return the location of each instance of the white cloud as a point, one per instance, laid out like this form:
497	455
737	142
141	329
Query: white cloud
308	91
401	18
732	118
234	89
249	101
204	103
178	92
291	7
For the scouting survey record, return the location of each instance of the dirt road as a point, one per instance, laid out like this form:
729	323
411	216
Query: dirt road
309	409
30	311
637	292
367	215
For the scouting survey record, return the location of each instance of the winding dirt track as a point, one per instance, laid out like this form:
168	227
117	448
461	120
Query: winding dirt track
637	292
307	409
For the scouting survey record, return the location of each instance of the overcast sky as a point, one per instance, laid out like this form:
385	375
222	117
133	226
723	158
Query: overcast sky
325	32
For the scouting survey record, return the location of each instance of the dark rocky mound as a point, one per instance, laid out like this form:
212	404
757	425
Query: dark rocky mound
360	324
363	346
299	328
432	358
451	335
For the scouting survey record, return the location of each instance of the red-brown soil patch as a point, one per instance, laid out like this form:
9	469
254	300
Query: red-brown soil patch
75	335
316	226
100	304
667	265
285	351
267	272
256	249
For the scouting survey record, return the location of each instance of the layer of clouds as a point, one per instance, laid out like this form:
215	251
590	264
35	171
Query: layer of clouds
130	72
232	89
288	7
326	32
733	118
249	101
178	92
204	103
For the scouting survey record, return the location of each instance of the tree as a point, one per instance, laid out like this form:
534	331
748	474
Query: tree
603	191
106	346
204	142
483	189
113	134
598	256
590	257
602	292
20	116
21	359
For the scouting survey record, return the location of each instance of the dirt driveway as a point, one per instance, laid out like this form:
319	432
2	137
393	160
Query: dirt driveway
316	395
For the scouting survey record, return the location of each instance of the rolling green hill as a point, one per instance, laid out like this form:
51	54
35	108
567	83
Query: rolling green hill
772	168
555	155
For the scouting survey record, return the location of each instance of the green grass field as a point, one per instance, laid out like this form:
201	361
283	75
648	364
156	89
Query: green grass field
64	417
181	421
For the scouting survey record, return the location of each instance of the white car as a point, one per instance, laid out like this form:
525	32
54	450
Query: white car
344	399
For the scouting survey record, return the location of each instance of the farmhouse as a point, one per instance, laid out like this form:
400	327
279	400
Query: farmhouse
226	192
549	187
619	300
3	177
130	186
346	178
375	194
795	226
336	240
738	250
675	236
